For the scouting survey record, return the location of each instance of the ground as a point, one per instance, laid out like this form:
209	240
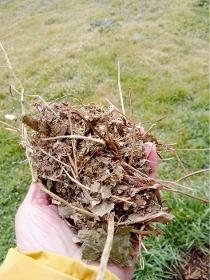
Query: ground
71	48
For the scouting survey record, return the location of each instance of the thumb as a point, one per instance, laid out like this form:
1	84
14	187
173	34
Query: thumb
36	196
151	155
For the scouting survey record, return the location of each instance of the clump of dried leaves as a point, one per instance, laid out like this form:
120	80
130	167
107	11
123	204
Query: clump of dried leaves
93	159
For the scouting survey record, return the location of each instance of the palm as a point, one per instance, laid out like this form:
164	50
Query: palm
39	227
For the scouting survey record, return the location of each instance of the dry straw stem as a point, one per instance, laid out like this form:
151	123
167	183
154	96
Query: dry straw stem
9	65
133	129
107	248
182	166
150	128
80	210
169	189
75	137
42	100
10	126
174	183
66	165
77	182
83	187
193	149
74	149
25	140
193	173
120	89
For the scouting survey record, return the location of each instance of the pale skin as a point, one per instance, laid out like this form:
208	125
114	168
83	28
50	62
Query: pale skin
39	227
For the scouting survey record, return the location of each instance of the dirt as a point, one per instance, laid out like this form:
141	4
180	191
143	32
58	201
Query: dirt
93	160
195	267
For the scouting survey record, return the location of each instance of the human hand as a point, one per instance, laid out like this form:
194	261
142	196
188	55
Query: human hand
39	227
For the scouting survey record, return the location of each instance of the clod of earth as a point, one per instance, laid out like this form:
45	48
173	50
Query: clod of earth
92	160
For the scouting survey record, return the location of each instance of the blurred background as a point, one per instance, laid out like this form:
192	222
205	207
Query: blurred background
64	50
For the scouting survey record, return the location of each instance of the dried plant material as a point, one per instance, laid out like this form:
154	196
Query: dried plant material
65	211
93	242
105	169
83	158
162	217
104	208
107	247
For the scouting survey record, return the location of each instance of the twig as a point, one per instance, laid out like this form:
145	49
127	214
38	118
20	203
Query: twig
133	129
10	126
107	248
141	259
74	180
182	165
143	246
122	199
111	142
10	129
193	149
72	166
120	89
111	104
83	187
73	143
75	137
147	232
186	194
193	173
90	124
135	170
116	109
43	101
9	65
25	140
66	165
150	128
80	210
174	183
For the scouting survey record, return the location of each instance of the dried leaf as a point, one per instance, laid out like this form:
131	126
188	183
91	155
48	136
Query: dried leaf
103	208
162	217
65	211
95	187
93	243
106	192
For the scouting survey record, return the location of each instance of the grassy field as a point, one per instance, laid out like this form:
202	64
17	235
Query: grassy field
72	47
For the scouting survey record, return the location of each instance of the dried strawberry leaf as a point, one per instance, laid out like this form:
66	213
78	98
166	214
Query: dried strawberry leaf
162	217
106	191
103	208
65	211
93	243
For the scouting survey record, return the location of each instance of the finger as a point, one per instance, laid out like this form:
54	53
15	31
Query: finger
151	155
141	129
36	196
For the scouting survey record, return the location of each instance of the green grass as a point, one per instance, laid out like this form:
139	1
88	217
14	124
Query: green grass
67	47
